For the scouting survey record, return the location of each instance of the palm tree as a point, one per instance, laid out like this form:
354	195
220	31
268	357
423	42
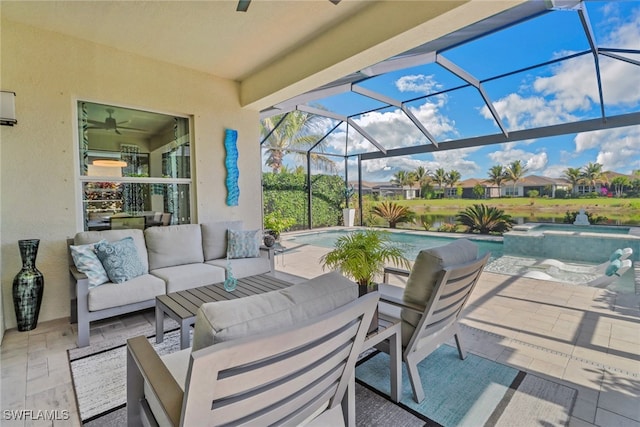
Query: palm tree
393	213
514	172
295	131
362	255
452	177
421	175
401	178
439	177
497	174
574	176
592	173
619	182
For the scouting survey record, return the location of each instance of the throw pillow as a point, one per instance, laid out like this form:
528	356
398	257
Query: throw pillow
87	262
120	260
243	243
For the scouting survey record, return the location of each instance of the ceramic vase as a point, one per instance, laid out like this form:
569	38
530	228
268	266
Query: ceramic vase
28	286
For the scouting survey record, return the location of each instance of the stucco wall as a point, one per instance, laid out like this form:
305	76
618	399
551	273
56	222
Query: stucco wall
38	174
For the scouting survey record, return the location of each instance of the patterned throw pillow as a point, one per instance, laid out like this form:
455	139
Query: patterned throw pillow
87	262
243	243
120	260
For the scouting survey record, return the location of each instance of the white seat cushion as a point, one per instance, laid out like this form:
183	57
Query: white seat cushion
181	277
141	288
173	245
214	238
244	267
226	320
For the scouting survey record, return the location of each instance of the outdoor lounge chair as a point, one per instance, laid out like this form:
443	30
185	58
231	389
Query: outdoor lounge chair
619	254
295	375
436	291
614	270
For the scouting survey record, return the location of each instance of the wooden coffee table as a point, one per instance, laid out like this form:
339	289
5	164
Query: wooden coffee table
182	306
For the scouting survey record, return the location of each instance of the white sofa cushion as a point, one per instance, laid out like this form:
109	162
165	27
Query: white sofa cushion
227	320
244	267
422	279
141	288
214	238
181	277
86	237
173	245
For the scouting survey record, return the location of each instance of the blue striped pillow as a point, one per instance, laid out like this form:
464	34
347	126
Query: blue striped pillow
87	262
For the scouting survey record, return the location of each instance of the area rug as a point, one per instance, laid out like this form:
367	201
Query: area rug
99	379
473	392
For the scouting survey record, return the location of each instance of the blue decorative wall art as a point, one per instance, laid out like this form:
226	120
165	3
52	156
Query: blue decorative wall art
231	163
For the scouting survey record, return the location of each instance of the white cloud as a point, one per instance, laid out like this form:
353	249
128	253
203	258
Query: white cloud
571	90
393	129
534	162
417	83
618	149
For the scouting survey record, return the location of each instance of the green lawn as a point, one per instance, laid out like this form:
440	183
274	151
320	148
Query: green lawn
624	211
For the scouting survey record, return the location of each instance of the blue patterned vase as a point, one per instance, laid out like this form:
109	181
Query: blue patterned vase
28	286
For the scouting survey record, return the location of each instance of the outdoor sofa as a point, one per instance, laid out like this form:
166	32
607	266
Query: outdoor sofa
144	264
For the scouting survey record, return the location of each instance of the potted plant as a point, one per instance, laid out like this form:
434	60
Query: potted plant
348	214
362	255
275	224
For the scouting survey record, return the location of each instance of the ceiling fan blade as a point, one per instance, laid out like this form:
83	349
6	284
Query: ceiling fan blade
118	132
95	127
243	5
95	122
128	128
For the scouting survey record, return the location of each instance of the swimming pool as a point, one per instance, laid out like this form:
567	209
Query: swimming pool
586	243
511	264
411	243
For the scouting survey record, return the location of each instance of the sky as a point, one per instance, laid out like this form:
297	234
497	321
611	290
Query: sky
561	92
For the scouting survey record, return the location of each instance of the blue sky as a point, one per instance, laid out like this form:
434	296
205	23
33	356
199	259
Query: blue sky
558	93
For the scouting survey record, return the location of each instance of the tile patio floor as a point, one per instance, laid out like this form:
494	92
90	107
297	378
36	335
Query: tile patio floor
585	338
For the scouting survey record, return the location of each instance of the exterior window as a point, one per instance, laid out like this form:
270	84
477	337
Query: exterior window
135	168
510	191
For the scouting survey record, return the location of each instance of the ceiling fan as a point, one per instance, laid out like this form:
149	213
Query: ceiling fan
243	5
111	124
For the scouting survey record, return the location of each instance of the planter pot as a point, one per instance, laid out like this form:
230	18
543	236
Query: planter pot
348	217
363	290
28	286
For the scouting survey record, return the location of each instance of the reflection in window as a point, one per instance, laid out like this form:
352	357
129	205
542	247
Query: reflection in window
135	167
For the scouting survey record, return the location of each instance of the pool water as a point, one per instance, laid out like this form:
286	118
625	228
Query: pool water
411	243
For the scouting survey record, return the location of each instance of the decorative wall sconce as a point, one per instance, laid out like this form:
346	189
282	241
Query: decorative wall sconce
7	108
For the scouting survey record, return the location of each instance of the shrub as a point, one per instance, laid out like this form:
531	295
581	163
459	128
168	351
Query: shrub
561	194
533	193
485	219
425	221
393	213
448	228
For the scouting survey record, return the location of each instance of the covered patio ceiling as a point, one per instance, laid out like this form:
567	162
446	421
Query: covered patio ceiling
447	70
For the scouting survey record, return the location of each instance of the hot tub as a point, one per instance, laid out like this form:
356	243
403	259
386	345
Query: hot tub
588	243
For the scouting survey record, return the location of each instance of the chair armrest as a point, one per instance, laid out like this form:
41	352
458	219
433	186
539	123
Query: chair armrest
392	295
77	275
157	376
395	271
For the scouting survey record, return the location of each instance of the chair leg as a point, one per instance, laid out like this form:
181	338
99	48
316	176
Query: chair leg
414	378
83	332
461	352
